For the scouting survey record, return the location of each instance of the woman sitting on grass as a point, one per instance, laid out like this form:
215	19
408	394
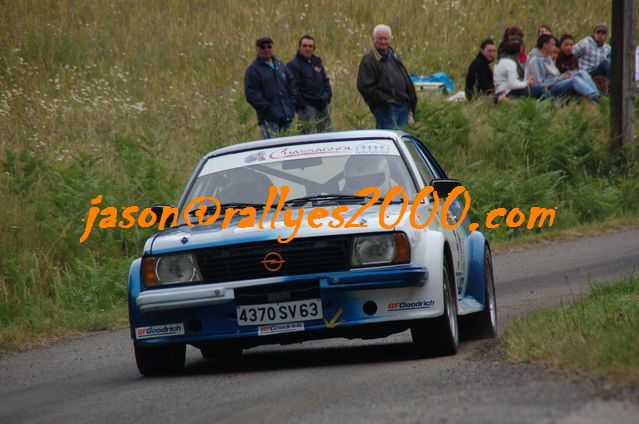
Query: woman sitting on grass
505	76
514	33
566	61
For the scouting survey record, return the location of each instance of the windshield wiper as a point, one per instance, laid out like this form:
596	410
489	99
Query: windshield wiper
212	208
335	197
326	197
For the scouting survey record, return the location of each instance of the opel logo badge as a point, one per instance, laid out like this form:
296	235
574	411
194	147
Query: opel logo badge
273	261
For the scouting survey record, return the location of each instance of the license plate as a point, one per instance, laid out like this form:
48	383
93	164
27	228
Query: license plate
275	313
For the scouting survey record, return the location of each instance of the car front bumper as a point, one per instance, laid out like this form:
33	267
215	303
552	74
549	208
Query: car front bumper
207	312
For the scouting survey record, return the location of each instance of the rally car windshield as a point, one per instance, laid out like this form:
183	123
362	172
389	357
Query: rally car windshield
320	169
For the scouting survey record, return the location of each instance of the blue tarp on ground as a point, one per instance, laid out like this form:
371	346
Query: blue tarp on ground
440	77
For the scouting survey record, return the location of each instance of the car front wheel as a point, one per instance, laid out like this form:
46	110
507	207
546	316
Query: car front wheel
160	360
439	336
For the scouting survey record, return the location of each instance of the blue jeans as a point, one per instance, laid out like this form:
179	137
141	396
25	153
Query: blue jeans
580	83
391	117
534	91
271	128
603	69
311	119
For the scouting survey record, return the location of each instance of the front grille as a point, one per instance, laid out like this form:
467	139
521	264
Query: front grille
301	256
271	293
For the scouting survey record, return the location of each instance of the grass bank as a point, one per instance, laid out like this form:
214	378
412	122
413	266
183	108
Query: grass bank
122	99
596	335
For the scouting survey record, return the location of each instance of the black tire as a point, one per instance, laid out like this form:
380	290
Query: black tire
221	351
439	336
160	360
483	324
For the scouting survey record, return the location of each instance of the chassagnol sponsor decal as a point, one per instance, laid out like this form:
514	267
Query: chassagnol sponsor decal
407	306
159	330
288	327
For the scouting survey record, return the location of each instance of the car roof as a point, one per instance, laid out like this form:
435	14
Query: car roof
300	139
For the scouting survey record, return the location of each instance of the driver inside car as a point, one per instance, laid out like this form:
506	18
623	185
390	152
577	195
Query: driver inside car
361	171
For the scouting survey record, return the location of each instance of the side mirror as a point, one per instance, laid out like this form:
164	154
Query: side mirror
443	187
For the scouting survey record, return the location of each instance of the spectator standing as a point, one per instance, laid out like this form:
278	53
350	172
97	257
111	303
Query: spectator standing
593	53
384	83
479	79
270	88
312	86
543	71
506	77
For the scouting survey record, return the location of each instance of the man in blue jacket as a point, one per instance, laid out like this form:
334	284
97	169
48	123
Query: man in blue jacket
270	88
313	89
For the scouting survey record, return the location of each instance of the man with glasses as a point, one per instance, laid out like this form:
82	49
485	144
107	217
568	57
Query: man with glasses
270	88
313	89
384	83
593	53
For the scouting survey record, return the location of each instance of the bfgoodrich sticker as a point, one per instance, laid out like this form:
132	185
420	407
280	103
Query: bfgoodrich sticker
407	306
289	327
159	330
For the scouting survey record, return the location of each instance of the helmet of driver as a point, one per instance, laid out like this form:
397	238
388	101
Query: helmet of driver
362	171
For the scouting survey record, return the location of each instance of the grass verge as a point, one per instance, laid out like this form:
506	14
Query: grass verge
597	334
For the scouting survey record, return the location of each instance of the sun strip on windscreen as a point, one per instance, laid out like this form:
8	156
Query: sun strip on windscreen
282	153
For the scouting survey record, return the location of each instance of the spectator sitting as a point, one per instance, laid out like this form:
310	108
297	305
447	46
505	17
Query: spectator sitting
514	32
543	71
479	79
593	52
555	50
506	78
566	61
544	29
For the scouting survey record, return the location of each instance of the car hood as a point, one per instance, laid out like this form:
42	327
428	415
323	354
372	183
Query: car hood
197	237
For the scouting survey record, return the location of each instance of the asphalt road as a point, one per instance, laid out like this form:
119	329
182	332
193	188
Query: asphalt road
94	379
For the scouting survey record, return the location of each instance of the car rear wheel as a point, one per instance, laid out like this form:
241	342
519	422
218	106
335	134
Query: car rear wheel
439	336
483	324
160	360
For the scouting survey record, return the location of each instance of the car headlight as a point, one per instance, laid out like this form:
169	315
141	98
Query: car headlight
380	250
170	269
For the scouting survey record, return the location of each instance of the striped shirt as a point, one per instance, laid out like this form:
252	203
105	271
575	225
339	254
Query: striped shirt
589	54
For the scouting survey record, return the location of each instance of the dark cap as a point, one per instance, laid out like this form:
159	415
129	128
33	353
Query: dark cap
263	40
600	27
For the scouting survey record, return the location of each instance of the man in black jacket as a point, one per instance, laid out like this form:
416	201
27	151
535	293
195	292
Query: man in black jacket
385	85
270	88
479	79
313	89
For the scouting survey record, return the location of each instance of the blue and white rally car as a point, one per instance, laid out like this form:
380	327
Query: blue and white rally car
275	242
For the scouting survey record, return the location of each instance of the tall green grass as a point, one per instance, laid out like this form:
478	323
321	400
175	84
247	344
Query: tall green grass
597	335
122	99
